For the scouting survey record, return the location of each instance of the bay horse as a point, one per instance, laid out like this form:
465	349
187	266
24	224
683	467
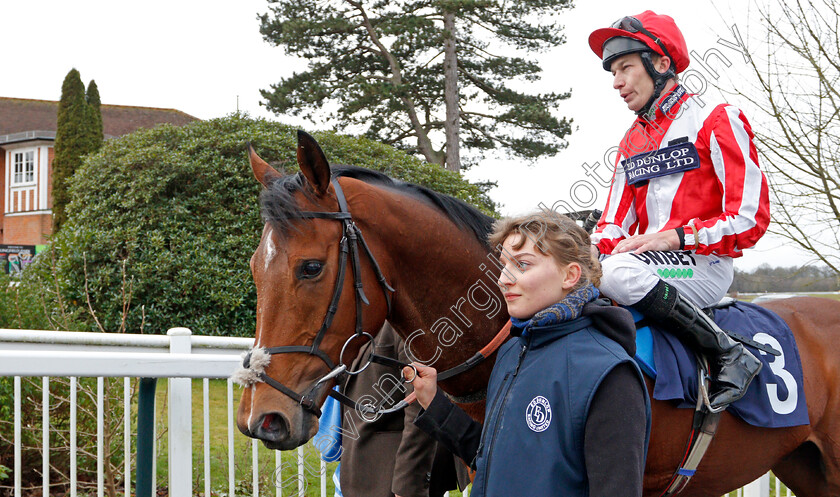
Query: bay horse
431	250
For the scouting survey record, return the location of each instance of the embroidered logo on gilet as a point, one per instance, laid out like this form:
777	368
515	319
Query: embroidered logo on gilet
538	414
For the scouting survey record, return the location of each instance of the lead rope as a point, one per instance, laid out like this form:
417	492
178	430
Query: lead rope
470	363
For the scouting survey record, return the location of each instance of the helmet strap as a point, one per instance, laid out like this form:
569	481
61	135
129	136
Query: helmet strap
660	79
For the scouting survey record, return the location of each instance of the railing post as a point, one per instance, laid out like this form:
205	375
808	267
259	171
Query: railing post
145	436
180	420
18	439
758	488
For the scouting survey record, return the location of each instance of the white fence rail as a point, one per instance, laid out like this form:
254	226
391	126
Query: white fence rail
179	357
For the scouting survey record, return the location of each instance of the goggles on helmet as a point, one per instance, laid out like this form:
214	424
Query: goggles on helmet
619	45
633	25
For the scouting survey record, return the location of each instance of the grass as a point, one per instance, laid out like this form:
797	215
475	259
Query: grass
748	297
833	296
243	448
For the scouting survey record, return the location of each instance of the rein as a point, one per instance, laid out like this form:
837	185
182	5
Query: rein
257	359
254	371
470	363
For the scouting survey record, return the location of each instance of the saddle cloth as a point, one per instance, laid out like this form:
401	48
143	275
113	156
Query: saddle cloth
775	398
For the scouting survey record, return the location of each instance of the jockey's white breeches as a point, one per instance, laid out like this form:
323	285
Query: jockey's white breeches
702	279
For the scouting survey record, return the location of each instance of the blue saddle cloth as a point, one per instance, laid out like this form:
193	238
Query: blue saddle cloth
776	397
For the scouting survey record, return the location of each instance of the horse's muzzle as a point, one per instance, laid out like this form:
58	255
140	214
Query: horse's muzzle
273	429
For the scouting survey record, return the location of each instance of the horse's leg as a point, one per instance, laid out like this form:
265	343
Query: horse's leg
826	434
831	458
803	471
827	442
815	465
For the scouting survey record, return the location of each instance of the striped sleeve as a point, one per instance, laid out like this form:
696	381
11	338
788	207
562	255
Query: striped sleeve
745	204
619	218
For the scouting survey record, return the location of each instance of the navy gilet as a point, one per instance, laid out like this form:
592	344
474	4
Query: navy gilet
538	400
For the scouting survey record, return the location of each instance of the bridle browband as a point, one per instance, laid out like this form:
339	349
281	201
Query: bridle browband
350	240
255	361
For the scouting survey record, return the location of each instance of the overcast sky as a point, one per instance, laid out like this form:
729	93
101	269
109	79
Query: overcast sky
207	58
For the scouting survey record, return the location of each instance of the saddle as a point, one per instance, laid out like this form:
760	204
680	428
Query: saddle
774	399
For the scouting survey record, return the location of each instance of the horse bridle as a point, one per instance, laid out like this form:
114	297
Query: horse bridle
349	244
255	361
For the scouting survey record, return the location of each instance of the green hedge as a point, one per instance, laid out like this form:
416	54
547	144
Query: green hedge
165	220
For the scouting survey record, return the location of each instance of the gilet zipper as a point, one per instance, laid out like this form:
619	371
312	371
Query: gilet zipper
501	409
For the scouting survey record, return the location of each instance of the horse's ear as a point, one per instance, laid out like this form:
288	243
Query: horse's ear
264	173
313	163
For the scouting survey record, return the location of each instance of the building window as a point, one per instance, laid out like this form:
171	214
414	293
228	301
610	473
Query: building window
24	167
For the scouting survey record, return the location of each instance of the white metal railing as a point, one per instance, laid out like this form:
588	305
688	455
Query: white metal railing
761	488
179	357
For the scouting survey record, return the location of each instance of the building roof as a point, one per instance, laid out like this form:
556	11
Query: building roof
18	115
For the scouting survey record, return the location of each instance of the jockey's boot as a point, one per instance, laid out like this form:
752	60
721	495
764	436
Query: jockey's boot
737	366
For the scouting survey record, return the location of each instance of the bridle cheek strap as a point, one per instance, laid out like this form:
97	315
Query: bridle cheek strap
255	361
306	400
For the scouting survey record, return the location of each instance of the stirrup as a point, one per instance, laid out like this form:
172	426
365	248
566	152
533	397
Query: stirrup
704	394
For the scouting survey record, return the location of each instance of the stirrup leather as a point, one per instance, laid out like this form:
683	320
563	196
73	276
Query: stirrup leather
703	430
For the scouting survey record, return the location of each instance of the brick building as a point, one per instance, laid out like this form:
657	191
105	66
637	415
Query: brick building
27	137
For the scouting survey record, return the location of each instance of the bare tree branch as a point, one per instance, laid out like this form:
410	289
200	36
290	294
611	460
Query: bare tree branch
796	88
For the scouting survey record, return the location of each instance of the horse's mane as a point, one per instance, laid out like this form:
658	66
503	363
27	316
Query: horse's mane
279	205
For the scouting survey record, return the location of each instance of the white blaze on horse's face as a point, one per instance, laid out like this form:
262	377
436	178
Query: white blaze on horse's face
267	251
270	248
251	413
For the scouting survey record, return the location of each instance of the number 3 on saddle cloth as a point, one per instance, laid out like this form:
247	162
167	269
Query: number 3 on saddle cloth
775	398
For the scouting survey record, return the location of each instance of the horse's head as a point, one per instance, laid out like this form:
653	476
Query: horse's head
309	269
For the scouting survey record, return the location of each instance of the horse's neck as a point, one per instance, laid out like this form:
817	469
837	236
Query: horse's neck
447	304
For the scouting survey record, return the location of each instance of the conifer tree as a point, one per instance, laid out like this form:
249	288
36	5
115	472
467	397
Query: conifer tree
95	103
75	137
414	72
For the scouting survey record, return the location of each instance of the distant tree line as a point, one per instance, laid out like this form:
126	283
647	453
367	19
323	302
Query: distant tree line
786	279
794	66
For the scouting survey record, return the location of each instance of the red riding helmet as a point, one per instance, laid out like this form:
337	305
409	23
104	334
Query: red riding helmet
645	33
657	33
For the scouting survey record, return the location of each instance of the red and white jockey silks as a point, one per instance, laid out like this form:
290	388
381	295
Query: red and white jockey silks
693	165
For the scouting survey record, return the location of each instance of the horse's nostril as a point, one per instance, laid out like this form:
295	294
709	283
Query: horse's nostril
272	428
272	423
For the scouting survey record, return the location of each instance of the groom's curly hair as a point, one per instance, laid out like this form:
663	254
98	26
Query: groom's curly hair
553	235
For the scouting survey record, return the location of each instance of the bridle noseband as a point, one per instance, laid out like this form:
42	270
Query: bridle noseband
255	361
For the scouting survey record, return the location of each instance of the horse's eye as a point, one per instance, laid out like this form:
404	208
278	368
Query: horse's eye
310	269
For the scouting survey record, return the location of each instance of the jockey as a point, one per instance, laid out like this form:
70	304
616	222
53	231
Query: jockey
687	197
